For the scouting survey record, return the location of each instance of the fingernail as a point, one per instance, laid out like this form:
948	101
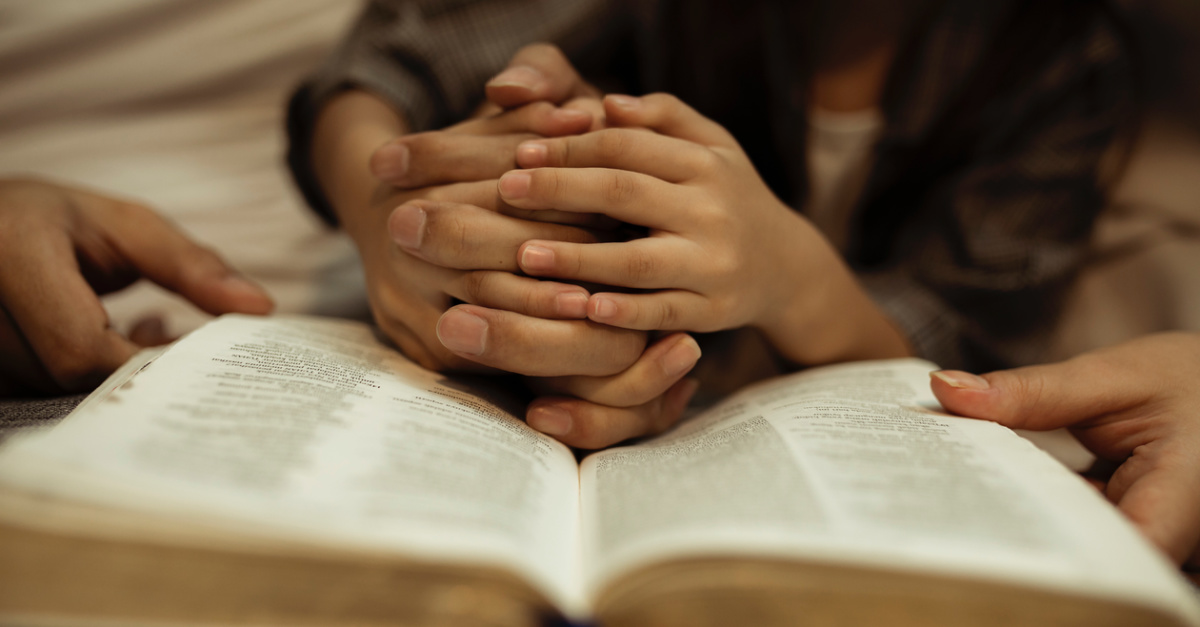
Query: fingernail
961	380
571	304
532	154
390	162
407	226
550	420
537	258
520	76
628	103
515	184
603	308
681	357
463	332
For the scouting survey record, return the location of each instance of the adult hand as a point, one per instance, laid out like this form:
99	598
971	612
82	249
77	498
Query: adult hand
1136	405
62	247
483	147
425	248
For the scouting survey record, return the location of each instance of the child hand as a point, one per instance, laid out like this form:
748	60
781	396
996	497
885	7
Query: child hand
722	250
1135	404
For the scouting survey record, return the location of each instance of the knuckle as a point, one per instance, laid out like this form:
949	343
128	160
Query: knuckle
724	265
530	301
704	161
1032	388
1028	389
545	183
667	317
621	188
476	286
560	152
447	237
722	229
611	144
640	267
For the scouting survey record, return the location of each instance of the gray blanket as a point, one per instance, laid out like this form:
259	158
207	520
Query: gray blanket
18	414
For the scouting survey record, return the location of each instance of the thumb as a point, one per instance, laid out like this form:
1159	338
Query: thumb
163	254
537	72
1040	397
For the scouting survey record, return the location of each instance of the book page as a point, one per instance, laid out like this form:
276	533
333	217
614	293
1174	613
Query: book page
854	464
311	428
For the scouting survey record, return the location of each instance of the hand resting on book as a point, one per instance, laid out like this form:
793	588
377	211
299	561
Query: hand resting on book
1135	405
62	247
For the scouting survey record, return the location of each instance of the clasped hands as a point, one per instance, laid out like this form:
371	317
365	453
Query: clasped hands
529	270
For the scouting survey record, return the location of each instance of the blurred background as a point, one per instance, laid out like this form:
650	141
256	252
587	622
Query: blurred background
1144	274
179	104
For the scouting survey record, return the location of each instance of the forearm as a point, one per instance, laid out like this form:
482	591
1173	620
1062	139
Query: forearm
834	319
348	130
850	328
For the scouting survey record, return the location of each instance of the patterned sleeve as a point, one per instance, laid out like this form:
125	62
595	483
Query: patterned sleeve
429	59
997	242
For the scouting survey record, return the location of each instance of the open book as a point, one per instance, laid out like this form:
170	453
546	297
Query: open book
297	471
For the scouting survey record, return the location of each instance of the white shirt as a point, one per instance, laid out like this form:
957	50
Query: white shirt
840	156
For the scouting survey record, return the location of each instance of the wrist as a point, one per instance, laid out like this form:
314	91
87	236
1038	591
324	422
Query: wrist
349	128
824	315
